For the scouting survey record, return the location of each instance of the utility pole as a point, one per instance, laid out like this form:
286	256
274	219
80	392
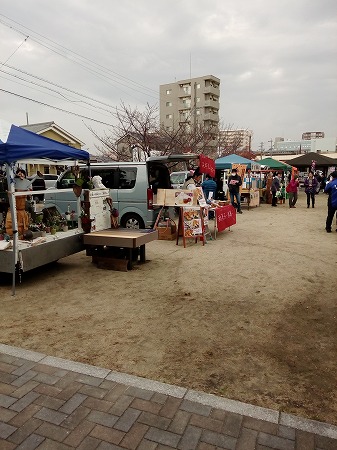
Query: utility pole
261	149
271	147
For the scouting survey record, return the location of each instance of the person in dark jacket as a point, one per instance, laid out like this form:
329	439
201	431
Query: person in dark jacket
209	186
275	187
234	183
331	189
310	188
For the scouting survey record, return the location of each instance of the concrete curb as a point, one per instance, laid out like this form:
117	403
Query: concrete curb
256	412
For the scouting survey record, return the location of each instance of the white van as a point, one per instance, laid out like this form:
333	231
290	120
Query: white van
132	187
178	178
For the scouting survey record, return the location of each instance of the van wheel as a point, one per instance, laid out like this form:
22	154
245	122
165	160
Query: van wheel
132	221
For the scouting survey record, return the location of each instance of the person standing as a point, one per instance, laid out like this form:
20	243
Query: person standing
209	187
331	189
310	185
234	183
292	190
275	187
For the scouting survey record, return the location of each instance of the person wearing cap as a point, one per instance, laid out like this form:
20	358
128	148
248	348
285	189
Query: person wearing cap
234	183
192	180
331	189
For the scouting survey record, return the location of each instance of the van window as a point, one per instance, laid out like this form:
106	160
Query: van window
109	176
127	178
67	180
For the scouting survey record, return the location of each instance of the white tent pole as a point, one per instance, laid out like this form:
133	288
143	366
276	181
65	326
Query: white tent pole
12	204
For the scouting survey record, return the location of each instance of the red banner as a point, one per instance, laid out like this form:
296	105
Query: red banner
207	165
225	217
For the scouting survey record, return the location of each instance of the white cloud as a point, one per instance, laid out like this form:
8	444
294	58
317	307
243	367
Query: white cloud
276	60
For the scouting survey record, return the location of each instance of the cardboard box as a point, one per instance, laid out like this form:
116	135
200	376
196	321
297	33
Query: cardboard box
167	232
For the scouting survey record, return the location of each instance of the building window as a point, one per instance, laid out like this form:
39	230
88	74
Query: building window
169	128
169	116
197	86
198	112
198	99
168	91
168	103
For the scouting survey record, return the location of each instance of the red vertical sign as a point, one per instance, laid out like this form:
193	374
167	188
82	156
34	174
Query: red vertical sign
207	165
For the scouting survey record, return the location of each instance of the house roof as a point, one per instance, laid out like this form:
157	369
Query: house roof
43	127
308	158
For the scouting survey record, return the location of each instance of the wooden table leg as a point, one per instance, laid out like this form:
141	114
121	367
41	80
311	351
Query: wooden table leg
142	253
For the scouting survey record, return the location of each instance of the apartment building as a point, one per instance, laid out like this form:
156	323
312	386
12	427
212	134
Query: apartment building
190	102
308	135
237	139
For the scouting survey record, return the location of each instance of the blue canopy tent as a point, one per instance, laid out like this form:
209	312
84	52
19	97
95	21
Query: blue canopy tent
17	144
226	162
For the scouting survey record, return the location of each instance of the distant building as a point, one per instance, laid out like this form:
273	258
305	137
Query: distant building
320	145
236	140
190	102
52	131
308	135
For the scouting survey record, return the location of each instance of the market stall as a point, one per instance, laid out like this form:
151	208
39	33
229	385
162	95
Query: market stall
17	144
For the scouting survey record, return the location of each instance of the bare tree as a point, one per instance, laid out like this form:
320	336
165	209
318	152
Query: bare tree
138	135
233	140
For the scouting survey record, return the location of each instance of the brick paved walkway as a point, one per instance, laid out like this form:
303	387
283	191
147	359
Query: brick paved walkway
52	403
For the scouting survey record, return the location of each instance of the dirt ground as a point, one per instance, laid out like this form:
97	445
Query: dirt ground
250	316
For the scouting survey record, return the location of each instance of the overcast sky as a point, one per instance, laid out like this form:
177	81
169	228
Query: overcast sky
276	59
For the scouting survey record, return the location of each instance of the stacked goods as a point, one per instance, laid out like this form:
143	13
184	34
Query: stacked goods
167	230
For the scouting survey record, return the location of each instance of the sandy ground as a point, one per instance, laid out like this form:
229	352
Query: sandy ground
250	316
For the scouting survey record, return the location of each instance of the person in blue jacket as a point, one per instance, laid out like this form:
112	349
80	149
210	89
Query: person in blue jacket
208	186
331	189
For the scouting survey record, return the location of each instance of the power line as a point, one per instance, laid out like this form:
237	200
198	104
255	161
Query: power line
84	59
55	107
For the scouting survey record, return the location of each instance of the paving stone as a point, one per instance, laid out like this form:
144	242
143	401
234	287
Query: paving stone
6	358
74	419
69	390
116	392
218	439
6	388
77	435
74	402
102	418
144	394
286	432
51	416
20	381
247	439
154	420
275	442
180	422
162	437
107	434
97	404
207	422
6	430
89	380
325	443
26	400
196	408
205	446
49	444
23	390
260	425
6	445
20	418
44	368
7	368
19	371
147	445
33	441
219	414
67	380
46	378
311	426
144	405
134	436
93	391
7	400
107	446
46	389
7	377
49	402
304	440
25	431
157	397
6	415
190	439
89	443
53	432
125	422
121	405
108	385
